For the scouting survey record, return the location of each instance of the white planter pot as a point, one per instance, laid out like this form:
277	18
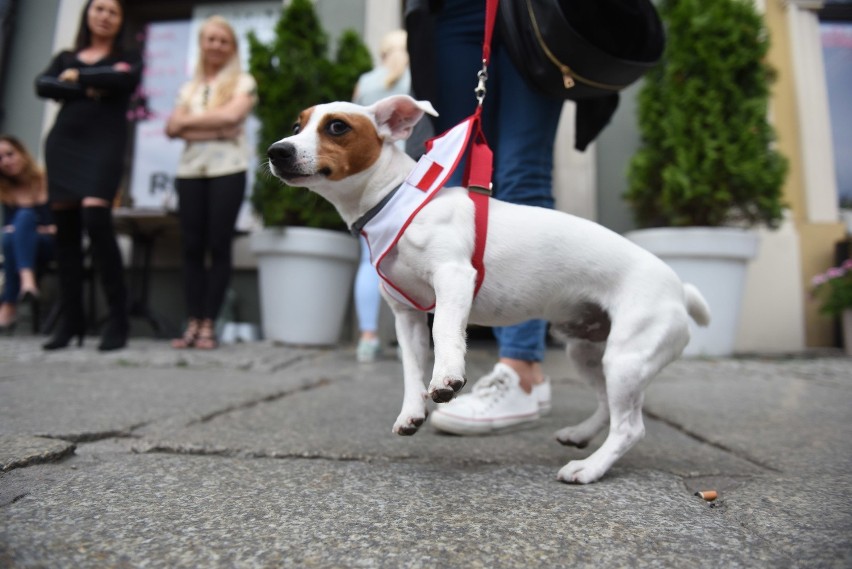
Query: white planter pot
846	218
715	260
305	278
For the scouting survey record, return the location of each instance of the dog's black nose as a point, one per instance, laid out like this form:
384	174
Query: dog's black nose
281	151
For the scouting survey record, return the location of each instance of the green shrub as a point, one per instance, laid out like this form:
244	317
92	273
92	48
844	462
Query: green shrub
294	72
707	156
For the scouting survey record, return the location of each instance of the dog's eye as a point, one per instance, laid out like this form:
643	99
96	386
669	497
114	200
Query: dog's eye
337	127
296	128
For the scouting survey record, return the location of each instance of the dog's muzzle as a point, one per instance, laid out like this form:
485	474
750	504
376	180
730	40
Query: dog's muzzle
282	157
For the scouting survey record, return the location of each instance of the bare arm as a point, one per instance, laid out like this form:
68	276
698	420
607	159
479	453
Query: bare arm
231	114
174	129
196	134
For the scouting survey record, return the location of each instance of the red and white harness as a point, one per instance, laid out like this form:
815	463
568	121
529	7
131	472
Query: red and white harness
384	225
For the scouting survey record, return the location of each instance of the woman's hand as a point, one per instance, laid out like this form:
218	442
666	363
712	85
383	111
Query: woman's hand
93	93
70	75
229	133
175	125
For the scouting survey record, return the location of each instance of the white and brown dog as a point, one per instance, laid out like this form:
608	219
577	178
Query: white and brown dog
625	312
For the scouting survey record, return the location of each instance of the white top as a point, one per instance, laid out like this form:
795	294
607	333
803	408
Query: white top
211	158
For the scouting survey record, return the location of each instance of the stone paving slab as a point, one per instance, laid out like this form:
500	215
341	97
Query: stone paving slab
147	353
780	413
170	511
263	456
18	451
351	419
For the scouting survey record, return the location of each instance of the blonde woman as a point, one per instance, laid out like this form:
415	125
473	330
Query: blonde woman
210	116
391	77
27	226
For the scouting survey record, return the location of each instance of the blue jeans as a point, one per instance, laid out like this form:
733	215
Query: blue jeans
519	123
22	249
368	299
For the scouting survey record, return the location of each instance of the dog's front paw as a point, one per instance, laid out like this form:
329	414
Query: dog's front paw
406	424
579	472
445	390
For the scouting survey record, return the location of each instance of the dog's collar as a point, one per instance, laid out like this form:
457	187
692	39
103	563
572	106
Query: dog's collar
359	224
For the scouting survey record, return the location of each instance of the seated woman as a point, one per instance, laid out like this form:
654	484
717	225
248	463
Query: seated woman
27	227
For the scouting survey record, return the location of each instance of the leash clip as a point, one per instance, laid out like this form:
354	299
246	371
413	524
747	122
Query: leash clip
480	90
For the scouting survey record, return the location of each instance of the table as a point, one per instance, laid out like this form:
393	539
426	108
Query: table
145	227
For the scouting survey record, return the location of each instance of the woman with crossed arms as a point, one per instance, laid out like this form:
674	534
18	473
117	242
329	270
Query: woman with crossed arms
84	155
210	116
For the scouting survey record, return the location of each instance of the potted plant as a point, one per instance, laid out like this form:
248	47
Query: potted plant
707	170
306	260
834	287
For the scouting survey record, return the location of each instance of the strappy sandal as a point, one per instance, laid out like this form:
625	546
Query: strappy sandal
189	338
206	338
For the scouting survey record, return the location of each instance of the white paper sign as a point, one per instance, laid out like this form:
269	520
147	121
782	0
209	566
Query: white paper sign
155	156
171	49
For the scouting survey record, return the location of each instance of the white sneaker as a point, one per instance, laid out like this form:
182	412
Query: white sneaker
542	395
496	402
368	350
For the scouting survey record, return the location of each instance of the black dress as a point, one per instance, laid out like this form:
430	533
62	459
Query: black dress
84	151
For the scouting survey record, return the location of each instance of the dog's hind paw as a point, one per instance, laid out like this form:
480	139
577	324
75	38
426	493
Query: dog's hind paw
447	389
578	472
571	438
408	425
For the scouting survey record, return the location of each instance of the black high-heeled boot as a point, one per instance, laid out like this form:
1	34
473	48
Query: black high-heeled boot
105	251
67	329
69	263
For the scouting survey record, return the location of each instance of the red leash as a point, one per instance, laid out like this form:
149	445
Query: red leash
478	171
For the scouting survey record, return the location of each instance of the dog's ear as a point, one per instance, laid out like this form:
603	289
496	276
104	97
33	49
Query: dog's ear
396	115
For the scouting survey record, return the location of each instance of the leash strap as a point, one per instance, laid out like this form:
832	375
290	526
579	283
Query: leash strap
477	179
479	168
480	206
490	18
478	171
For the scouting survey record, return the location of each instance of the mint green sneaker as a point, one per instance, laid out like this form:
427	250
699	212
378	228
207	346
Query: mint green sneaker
368	350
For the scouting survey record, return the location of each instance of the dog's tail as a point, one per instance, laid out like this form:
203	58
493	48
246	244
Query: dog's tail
696	306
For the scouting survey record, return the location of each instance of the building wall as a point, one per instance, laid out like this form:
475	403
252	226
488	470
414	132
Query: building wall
615	148
337	16
30	52
773	314
800	108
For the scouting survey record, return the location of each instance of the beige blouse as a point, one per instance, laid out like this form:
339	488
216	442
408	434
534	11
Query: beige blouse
211	158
